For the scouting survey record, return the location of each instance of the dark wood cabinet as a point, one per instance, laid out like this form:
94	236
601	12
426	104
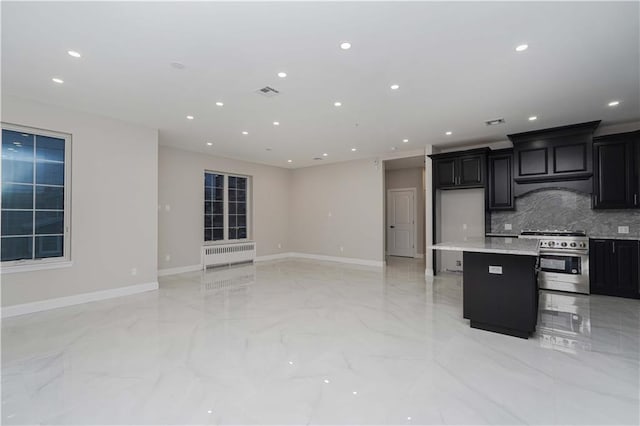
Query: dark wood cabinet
461	169
616	171
562	154
614	267
500	180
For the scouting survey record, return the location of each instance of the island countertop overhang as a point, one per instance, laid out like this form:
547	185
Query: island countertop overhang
515	246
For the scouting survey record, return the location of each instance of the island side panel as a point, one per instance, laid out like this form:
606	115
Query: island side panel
505	302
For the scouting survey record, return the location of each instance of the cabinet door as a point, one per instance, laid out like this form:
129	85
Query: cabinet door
470	171
500	189
601	278
626	268
445	173
613	175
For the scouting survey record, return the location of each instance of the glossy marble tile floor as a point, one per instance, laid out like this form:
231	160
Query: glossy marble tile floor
302	342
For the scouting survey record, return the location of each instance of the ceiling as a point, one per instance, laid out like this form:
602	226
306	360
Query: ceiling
455	63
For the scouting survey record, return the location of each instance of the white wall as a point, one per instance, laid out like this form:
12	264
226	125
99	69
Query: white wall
181	187
113	204
411	178
339	205
459	207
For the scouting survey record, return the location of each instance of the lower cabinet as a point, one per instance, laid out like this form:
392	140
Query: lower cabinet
614	267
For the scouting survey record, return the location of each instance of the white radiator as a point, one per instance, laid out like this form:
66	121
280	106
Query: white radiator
224	254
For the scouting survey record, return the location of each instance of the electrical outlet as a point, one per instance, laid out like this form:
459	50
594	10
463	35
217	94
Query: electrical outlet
464	226
167	258
341	249
329	215
134	271
623	229
167	207
507	227
279	245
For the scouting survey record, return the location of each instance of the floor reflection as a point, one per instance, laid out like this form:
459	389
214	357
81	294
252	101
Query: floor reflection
228	278
564	321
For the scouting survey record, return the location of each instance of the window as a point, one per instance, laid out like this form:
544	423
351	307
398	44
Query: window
225	207
35	196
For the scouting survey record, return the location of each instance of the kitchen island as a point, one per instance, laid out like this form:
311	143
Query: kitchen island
500	290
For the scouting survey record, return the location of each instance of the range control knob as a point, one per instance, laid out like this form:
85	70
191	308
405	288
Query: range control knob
572	244
563	244
552	243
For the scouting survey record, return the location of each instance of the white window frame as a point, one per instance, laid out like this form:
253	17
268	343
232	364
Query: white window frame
225	209
25	265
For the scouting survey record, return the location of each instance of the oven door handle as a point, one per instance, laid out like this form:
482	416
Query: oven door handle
564	252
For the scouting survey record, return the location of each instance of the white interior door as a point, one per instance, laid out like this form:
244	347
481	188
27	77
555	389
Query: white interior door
401	222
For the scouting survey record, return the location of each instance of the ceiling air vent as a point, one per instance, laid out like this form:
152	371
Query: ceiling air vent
317	158
267	91
494	122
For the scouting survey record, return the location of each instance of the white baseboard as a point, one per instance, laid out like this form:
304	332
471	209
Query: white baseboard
277	256
350	260
178	270
61	302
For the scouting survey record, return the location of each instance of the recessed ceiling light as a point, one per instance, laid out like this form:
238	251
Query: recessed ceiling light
613	103
533	118
449	133
74	53
276	123
522	47
219	104
190	117
345	45
244	132
394	87
325	155
289	161
353	149
209	143
405	140
57	80
282	74
326	380
337	104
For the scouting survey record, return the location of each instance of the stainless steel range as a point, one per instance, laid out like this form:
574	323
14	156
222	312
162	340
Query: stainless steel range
564	259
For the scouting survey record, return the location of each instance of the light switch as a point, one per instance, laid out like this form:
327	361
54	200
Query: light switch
507	227
623	229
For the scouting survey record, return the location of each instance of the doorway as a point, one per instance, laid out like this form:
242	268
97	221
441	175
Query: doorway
405	207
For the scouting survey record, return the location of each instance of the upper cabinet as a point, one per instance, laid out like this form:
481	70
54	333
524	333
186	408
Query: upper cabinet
461	169
500	180
561	154
617	171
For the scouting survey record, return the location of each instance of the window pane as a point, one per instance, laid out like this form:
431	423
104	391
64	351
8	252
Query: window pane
232	221
17	222
242	233
242	220
208	207
233	208
242	183
218	234
17	196
232	195
208	235
50	173
17	157
219	181
232	182
17	248
49	222
49	246
218	208
208	194
218	194
50	197
233	234
49	149
218	221
242	208
208	180
208	221
242	196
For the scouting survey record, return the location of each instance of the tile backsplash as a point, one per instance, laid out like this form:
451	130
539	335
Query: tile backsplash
561	209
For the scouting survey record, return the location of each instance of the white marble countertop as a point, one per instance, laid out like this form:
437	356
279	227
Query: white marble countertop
525	247
632	237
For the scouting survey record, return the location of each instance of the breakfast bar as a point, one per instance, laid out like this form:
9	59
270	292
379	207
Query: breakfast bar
500	291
